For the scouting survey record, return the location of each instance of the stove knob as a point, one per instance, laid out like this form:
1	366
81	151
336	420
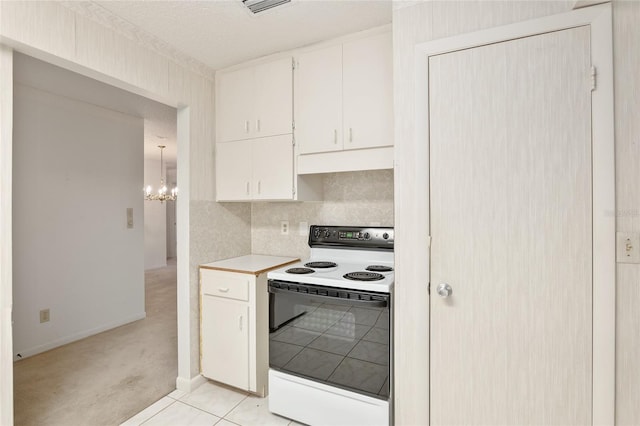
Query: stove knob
366	236
385	236
327	233
316	233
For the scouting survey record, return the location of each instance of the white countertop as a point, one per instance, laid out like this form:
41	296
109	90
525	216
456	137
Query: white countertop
254	264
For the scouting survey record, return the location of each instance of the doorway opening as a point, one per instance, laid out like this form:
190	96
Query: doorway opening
78	251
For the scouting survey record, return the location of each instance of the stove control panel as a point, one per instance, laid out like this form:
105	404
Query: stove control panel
351	236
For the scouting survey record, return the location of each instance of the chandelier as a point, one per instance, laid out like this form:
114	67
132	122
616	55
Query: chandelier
162	195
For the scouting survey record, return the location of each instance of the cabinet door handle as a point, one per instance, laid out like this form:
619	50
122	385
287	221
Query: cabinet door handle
258	125
223	290
350	134
247	188
335	136
259	187
240	322
246	126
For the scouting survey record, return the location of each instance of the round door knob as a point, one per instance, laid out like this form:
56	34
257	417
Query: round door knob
445	290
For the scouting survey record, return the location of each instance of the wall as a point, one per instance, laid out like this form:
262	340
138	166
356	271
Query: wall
76	171
353	198
6	290
415	23
155	220
626	62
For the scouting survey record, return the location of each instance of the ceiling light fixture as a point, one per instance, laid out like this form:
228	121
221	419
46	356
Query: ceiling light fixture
257	6
162	195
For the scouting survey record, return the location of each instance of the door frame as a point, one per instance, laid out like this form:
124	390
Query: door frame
411	252
184	380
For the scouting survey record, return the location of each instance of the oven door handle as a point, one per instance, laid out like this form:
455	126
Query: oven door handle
333	299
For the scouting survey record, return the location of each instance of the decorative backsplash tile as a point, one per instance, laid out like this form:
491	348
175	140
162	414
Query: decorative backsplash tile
353	198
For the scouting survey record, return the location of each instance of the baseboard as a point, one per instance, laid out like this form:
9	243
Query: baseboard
189	385
26	353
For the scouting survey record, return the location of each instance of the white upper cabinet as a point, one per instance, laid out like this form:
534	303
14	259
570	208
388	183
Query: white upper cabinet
235	105
272	166
233	171
255	101
343	96
255	169
367	94
318	100
274	98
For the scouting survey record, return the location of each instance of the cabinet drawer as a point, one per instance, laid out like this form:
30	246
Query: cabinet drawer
228	285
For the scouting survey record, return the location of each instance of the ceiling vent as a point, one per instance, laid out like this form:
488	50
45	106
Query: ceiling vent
257	6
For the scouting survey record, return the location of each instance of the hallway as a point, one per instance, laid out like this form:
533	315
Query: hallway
106	378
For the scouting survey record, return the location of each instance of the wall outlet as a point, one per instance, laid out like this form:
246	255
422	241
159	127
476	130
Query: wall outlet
303	228
628	247
44	315
284	227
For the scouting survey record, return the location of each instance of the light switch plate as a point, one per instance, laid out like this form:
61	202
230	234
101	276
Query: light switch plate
628	247
129	217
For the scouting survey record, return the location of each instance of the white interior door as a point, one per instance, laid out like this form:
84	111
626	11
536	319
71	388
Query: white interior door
511	227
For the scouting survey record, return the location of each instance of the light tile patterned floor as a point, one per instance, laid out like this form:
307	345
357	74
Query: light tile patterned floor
209	404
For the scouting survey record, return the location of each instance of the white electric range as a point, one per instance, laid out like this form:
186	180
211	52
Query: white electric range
330	331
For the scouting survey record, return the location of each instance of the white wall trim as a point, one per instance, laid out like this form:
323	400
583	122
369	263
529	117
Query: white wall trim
189	385
599	18
6	288
78	336
182	247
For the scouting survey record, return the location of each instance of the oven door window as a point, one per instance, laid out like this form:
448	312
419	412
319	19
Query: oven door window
334	340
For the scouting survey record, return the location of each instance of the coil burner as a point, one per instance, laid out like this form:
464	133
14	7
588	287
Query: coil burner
300	271
321	265
379	268
363	276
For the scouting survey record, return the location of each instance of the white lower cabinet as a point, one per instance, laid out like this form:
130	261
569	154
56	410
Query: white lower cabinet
234	321
226	344
234	329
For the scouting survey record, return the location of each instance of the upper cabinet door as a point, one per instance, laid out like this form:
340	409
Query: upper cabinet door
256	101
368	92
273	98
272	167
318	100
235	105
233	171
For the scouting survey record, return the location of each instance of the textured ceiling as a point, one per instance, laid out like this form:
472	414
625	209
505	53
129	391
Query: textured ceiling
221	33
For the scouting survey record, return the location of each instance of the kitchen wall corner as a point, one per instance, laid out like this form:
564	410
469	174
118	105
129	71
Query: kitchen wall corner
352	198
218	231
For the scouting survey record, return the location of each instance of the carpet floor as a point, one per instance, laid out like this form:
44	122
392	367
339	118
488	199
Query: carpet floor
109	377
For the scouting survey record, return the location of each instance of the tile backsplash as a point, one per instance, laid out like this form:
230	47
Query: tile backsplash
352	198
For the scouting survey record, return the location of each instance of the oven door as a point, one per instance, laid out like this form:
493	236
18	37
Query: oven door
340	337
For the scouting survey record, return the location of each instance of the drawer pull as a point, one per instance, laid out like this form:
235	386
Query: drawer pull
223	290
240	322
